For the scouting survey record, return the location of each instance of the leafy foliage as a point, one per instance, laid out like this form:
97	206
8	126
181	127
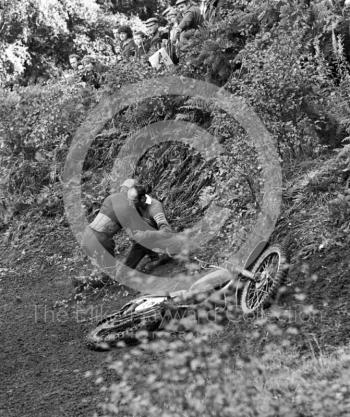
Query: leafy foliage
257	51
193	374
33	152
142	8
37	37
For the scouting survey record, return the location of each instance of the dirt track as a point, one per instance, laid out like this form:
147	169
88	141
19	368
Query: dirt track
42	356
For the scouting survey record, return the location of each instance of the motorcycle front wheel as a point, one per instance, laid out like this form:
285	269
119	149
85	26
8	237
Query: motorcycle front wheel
269	272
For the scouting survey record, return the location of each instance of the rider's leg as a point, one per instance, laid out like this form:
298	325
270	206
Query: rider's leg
99	247
162	259
92	240
137	252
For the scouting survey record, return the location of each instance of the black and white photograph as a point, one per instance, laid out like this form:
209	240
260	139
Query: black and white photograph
175	208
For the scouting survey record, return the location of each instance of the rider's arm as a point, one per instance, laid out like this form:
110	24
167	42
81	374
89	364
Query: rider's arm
157	212
106	220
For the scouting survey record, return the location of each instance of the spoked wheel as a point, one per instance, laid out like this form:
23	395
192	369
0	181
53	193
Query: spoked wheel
124	324
269	271
148	314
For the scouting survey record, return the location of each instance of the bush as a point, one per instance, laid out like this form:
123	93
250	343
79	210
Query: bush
37	127
37	37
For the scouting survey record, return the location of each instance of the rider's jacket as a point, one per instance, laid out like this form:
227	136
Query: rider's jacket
117	212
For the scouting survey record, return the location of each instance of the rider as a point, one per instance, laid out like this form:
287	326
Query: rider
133	210
158	230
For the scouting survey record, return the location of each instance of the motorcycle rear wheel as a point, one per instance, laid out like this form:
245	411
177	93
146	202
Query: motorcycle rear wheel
124	326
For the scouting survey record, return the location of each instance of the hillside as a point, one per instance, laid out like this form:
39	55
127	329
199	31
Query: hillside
289	62
45	359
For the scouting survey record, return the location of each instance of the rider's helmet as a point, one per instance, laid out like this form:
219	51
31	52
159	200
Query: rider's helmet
138	196
127	184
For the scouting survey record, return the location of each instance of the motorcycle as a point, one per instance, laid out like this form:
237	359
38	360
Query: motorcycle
253	286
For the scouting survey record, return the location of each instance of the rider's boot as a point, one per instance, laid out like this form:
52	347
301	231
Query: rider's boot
162	259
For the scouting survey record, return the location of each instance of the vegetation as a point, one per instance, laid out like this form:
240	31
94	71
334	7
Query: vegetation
192	378
290	61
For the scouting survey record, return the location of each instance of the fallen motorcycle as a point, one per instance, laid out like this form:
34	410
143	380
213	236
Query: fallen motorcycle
253	286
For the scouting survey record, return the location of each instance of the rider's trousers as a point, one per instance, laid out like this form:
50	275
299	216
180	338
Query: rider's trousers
92	241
